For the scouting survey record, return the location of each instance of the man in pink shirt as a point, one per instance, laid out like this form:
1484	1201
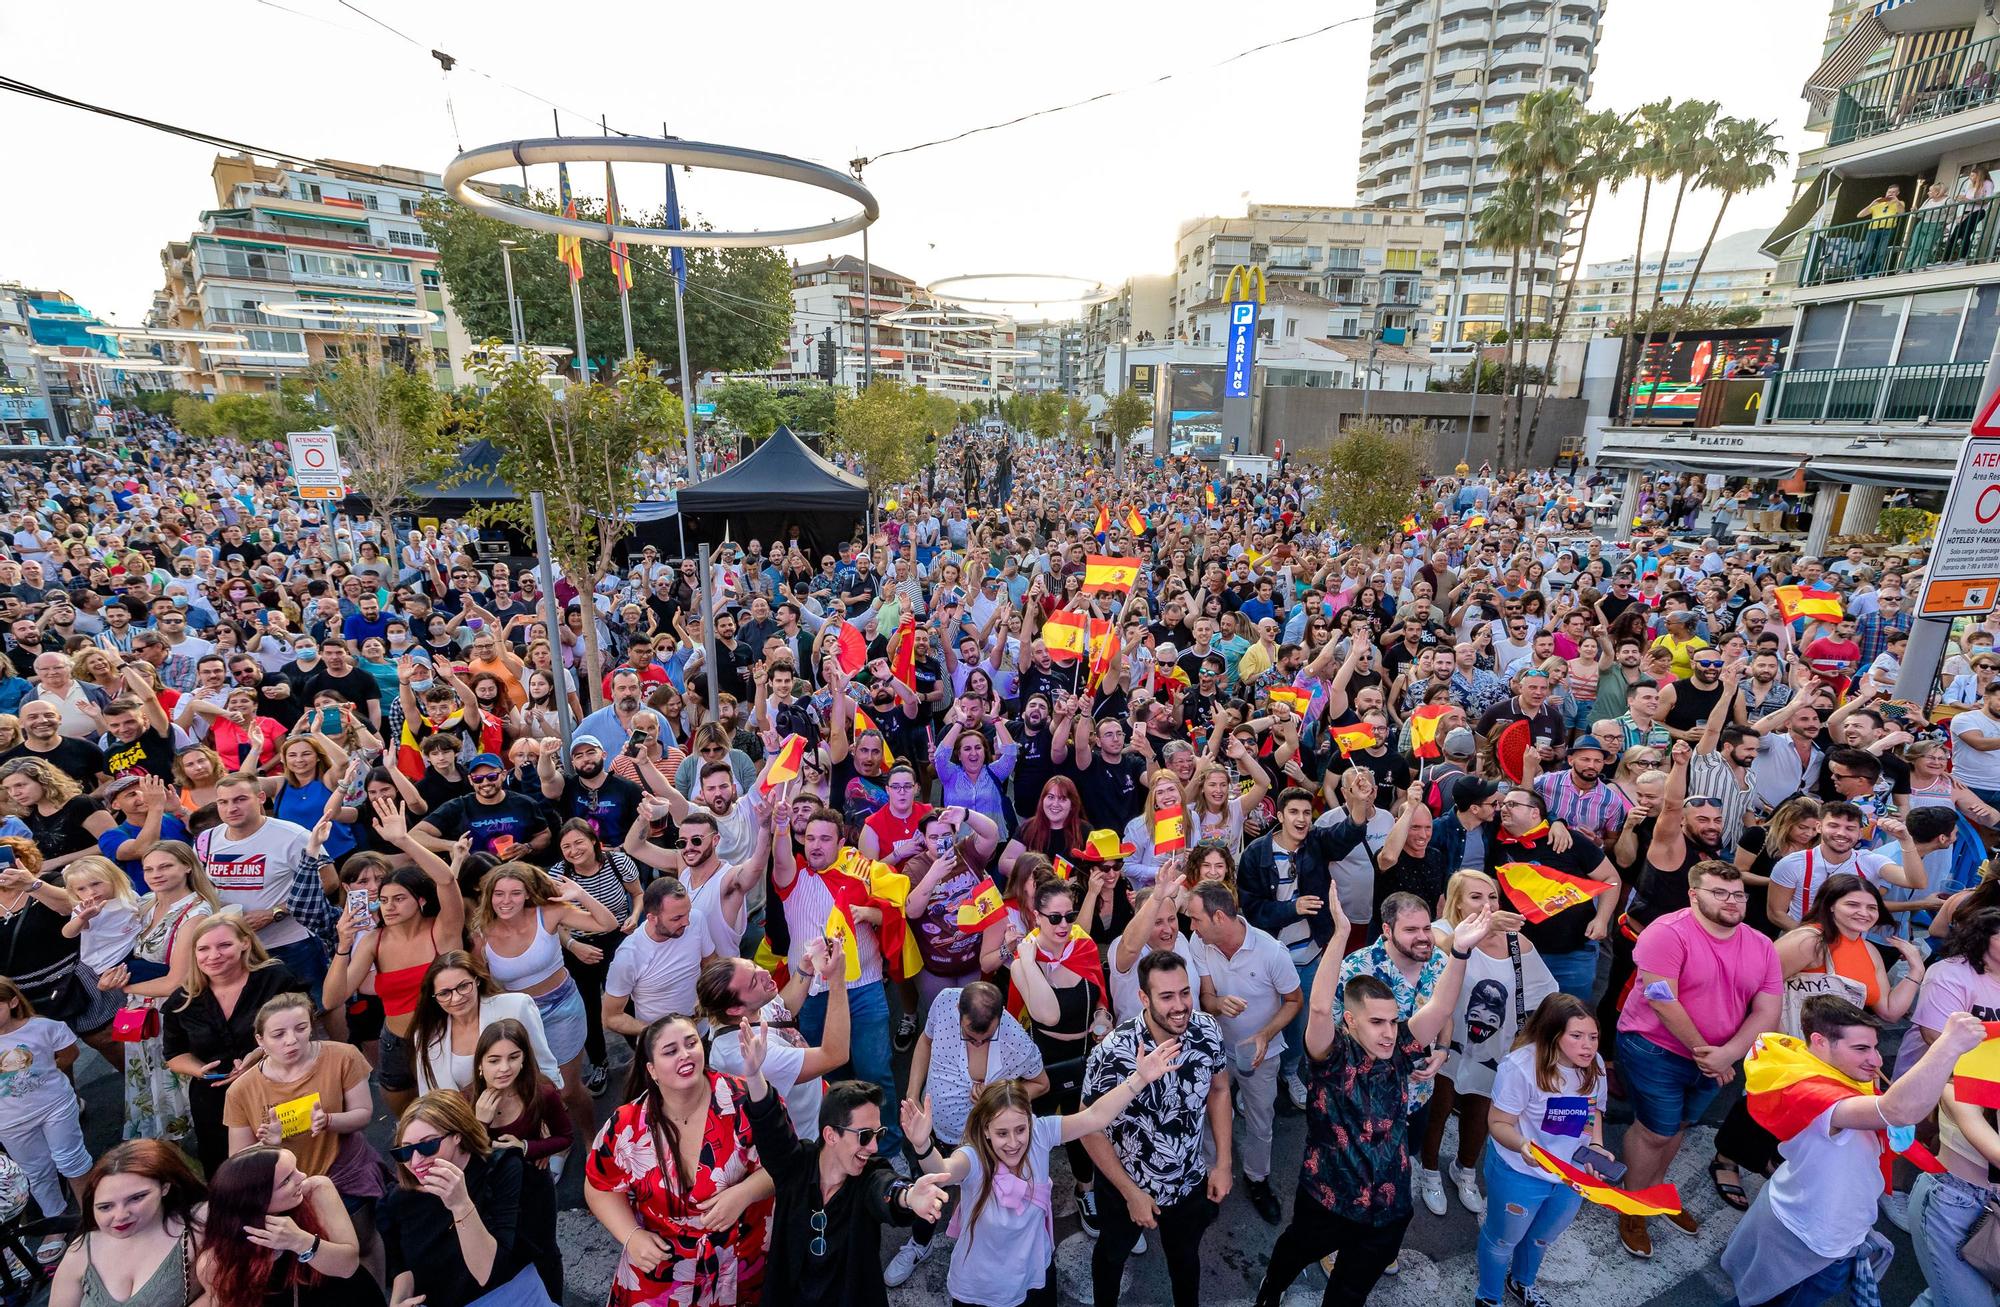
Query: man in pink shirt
1706	988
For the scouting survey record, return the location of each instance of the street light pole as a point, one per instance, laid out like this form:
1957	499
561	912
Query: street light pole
513	305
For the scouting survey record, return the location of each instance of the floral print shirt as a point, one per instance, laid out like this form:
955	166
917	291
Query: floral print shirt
1357	1156
1374	961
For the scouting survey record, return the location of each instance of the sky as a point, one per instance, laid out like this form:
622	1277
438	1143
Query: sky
1096	192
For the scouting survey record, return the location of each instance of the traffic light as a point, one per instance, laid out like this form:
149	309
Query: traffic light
826	363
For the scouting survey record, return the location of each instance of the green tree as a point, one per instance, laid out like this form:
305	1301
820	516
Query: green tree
1493	378
752	407
390	421
888	425
578	444
1128	411
1045	415
1649	161
1368	479
1691	153
940	412
250	417
739	305
1514	219
1076	418
971	413
810	409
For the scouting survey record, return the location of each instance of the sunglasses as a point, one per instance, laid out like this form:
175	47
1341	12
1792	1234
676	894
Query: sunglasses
1061	918
404	1153
864	1136
818	1222
1705	801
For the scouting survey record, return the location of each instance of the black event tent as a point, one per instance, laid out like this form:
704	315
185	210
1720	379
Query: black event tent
782	484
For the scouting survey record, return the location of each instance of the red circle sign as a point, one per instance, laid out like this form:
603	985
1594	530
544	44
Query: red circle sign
1987	506
313	458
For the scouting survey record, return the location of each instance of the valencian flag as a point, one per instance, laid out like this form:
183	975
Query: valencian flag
1067	635
1654	1200
1103	527
1976	1078
1170	830
1358	736
1785	1089
983	909
850	648
569	249
1795	602
1424	723
785	763
621	262
903	662
1078	953
863	722
857	881
1291	696
1134	523
1103	573
1541	892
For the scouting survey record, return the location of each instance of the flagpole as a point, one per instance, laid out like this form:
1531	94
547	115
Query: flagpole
679	262
576	293
624	291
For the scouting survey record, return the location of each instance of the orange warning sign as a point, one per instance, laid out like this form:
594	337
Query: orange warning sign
1946	598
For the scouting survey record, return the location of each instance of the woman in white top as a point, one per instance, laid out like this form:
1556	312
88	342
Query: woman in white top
1004	1254
1548	1094
1974	189
458	1000
1218	809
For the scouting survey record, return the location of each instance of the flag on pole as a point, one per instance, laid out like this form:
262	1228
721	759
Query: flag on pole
1654	1200
569	249
675	254
1358	736
621	262
1795	602
1103	527
903	663
1103	641
983	909
1170	829
1102	573
1208	494
1424	729
1067	636
1477	519
1541	892
1409	526
1134	523
1061	866
785	763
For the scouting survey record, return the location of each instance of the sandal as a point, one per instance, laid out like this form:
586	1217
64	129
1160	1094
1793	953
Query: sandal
1733	1194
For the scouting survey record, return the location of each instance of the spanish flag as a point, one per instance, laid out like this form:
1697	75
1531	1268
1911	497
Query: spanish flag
1795	602
1409	526
1170	830
1654	1200
1103	643
1077	954
621	262
1785	1089
1134	523
1976	1078
857	881
1477	519
1292	697
1424	729
983	909
1542	892
785	763
903	662
1208	495
1358	736
1067	635
1104	573
1062	867
1103	527
863	722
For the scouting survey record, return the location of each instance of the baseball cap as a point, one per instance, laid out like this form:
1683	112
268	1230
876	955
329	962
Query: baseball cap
1472	789
581	742
120	785
1460	743
485	760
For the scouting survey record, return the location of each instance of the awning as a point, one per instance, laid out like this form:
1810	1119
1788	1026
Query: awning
1847	59
1796	218
305	216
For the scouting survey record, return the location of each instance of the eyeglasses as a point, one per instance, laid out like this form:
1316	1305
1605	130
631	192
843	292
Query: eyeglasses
463	989
1726	895
866	1135
423	1148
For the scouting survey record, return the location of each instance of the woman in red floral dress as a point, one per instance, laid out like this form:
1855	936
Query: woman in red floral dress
675	1179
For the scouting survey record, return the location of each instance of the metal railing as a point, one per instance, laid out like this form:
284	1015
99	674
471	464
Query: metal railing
1961	233
1928	89
1946	393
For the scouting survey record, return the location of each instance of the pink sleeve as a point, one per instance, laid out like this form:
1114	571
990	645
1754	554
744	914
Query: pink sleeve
1773	981
1661	952
1940	996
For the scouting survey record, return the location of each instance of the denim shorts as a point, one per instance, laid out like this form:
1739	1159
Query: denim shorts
393	1063
1668	1091
564	1022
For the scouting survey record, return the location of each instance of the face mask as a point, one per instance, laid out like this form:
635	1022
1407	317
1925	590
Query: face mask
180	601
308	655
418	687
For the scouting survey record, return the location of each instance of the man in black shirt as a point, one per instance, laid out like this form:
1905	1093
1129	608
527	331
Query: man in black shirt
42	737
1198	705
607	802
138	738
1109	778
1567	941
274	692
502	823
337	672
733	659
1035	762
1621	597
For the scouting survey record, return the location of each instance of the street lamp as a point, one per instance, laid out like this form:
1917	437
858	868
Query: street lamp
507	248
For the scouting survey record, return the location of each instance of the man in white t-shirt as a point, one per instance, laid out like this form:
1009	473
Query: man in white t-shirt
1796	878
1975	746
1154	928
254	862
1251	988
1816	1214
733	989
653	973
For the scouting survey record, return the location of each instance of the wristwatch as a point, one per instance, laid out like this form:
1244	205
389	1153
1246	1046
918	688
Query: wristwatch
311	1252
1461	956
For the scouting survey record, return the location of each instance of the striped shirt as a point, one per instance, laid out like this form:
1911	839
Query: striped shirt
1710	776
1598	812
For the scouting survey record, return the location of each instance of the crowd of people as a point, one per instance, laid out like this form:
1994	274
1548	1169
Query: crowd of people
1058	822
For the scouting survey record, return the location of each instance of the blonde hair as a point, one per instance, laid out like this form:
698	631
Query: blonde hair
56	787
540	889
93	866
215	760
1455	891
197	875
255	958
319	751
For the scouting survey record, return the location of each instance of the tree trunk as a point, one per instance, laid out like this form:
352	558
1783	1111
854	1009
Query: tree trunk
1638	262
1527	319
1503	448
1659	280
1562	316
1688	295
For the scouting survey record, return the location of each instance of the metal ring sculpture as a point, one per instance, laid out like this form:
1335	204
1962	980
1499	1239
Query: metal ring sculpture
942	318
466	167
1093	290
357	314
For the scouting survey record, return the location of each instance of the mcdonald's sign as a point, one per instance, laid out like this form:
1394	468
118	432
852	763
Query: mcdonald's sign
1240	365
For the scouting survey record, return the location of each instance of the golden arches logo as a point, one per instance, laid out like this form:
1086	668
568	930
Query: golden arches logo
1251	279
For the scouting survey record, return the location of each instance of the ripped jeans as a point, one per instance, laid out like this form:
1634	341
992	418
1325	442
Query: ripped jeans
1524	1216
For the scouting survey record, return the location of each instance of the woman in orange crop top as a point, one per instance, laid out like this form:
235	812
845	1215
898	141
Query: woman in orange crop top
421	914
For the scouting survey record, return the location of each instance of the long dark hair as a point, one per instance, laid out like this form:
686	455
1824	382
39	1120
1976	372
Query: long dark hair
155	1160
1970	938
240	1273
430	1023
1836	889
1544	1031
528	1086
1037	836
642	1088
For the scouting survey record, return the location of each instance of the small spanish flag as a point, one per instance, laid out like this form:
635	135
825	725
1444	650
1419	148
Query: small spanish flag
1290	696
903	662
785	762
1795	602
1477	519
1103	643
1541	892
1424	729
1134	523
1062	867
1067	635
1976	1078
1358	736
1170	830
863	722
1103	527
1208	495
1104	573
1409	526
982	909
1173	676
1654	1200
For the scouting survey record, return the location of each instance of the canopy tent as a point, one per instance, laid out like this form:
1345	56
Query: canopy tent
781	485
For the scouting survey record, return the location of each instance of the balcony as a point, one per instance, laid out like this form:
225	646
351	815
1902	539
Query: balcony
1946	393
243	272
1923	91
1944	235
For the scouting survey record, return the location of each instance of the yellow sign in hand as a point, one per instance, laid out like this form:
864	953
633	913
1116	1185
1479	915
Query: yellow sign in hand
296	1117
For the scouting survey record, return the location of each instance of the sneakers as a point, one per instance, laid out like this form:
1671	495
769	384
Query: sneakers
1525	1294
905	1036
1260	1196
595	1078
1295	1089
1684	1222
1086	1211
1467	1181
1430	1187
1633	1234
904	1264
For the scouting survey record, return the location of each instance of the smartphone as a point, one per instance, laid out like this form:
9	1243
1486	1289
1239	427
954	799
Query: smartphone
358	901
1602	1162
1895	712
6	856
329	720
214	1075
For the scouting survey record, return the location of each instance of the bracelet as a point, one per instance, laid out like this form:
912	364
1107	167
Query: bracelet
1461	956
343	953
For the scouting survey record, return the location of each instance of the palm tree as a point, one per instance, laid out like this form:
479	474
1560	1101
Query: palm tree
1509	221
1538	146
1605	141
1689	152
1652	125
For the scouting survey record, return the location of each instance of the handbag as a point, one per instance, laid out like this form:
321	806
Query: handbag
135	1025
1980	1249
